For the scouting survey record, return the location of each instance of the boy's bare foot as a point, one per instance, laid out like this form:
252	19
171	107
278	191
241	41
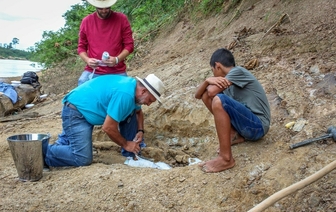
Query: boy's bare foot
217	165
201	164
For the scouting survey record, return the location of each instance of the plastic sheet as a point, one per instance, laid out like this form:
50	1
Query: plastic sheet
140	162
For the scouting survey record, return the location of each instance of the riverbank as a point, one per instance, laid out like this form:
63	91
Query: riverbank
12	58
14	54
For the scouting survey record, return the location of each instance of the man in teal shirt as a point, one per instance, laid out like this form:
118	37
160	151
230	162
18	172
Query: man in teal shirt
106	100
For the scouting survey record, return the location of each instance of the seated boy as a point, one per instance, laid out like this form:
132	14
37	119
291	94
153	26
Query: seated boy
239	105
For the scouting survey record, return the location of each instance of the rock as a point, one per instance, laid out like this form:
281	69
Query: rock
299	124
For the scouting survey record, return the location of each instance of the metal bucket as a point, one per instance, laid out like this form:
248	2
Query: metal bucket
27	153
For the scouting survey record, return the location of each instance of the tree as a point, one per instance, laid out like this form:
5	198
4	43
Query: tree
15	41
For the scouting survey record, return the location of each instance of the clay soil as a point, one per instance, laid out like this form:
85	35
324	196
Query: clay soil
296	64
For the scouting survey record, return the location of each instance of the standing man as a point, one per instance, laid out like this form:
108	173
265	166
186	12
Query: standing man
107	100
239	105
104	31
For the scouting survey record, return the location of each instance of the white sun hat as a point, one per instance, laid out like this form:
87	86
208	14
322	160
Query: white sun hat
154	85
102	3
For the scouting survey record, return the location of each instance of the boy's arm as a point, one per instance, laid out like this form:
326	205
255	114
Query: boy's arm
212	85
213	90
201	89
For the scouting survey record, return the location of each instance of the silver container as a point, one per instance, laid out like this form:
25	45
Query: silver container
27	154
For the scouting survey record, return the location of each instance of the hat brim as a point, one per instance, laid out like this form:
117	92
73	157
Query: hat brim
149	89
102	4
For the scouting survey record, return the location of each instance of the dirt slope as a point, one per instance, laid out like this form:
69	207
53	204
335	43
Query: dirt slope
297	67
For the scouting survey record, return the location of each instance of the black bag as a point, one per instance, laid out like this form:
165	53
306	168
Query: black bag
31	78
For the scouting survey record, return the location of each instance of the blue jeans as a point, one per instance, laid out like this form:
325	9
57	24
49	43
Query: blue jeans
86	76
74	144
246	123
74	147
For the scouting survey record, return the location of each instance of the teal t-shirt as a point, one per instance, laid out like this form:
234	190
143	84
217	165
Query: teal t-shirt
112	95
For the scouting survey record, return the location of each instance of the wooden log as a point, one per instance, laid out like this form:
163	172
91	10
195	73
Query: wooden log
26	95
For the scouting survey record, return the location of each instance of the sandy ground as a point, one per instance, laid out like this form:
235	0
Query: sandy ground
297	67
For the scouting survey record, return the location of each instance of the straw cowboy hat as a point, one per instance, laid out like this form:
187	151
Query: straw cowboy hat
154	85
102	3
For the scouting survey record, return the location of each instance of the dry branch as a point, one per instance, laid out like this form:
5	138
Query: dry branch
284	19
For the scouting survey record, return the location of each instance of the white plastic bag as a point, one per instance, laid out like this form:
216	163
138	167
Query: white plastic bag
146	163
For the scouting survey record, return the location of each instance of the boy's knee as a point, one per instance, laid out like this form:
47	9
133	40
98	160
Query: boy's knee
216	102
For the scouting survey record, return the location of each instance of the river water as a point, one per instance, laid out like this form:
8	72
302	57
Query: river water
16	68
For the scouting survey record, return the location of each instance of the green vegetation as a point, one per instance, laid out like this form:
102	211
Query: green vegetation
10	53
147	19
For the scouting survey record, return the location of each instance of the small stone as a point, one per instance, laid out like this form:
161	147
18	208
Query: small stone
224	199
